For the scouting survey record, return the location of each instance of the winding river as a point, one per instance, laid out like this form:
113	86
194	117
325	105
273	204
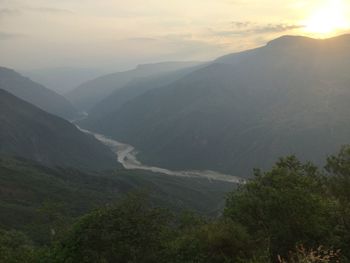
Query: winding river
127	156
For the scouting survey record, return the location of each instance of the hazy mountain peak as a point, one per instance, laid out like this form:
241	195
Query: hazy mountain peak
289	40
35	93
293	40
90	93
5	70
62	79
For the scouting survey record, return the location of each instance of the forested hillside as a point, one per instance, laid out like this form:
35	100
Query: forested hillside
35	198
32	133
295	212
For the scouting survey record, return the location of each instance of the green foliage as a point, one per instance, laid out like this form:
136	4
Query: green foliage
130	231
219	241
338	168
43	202
282	215
134	231
39	200
284	206
338	182
15	247
319	255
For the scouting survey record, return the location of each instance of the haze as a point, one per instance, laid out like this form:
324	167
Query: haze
117	35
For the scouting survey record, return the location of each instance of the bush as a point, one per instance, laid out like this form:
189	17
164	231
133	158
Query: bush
283	207
15	247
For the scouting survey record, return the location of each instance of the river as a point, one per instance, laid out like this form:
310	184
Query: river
127	156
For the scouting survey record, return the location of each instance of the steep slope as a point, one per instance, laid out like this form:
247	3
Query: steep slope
28	192
29	132
245	110
87	95
36	94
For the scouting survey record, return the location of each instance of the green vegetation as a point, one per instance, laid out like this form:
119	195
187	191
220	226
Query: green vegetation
32	133
293	213
15	247
42	202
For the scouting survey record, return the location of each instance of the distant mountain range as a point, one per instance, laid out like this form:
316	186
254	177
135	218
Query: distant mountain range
242	111
36	94
63	79
29	132
90	93
135	88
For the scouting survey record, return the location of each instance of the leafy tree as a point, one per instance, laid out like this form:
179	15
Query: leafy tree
283	207
319	255
338	182
282	215
15	247
214	242
338	168
131	231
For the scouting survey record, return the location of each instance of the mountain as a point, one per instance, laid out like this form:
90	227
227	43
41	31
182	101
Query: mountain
244	110
30	132
64	79
33	196
36	94
88	94
135	88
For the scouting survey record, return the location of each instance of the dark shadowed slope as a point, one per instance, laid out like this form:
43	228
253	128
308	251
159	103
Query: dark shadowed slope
87	95
29	132
36	94
245	110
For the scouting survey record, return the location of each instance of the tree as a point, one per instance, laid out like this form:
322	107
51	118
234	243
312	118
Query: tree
15	247
218	241
338	182
130	231
284	207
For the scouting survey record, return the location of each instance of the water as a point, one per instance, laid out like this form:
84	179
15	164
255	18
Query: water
127	156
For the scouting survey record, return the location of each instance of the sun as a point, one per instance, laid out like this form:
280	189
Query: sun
329	18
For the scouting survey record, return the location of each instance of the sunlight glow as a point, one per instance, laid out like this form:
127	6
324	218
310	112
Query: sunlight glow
329	18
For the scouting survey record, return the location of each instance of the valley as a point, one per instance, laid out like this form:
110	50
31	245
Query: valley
213	131
127	156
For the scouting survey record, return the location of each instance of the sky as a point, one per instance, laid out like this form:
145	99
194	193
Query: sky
117	35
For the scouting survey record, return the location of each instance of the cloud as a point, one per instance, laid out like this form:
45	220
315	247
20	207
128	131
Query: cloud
238	24
245	28
275	28
49	10
9	12
142	39
4	12
8	36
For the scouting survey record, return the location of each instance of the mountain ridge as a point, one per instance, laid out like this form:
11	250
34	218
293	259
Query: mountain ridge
90	93
29	132
243	111
35	93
